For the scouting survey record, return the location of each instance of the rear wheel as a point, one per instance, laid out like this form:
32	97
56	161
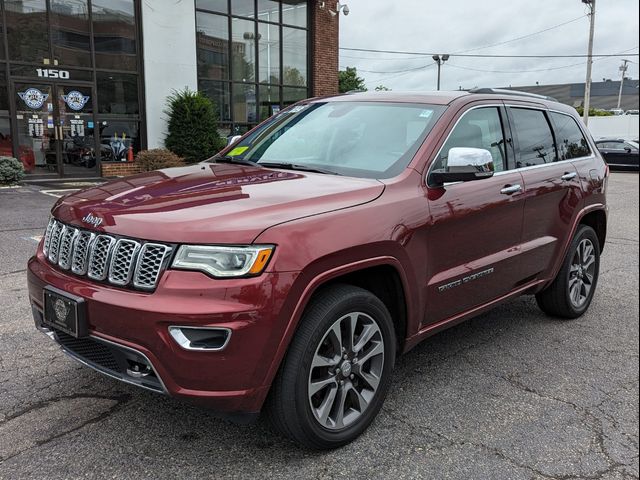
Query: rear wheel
336	374
570	294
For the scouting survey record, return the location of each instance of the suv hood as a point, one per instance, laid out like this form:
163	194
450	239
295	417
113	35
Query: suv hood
210	203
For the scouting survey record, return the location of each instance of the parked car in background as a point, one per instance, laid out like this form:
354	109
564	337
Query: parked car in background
286	273
616	111
632	112
619	154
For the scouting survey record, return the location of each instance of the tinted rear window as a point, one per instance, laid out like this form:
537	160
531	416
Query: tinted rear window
570	140
535	140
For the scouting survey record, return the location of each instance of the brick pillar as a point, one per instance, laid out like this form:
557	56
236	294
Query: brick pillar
324	49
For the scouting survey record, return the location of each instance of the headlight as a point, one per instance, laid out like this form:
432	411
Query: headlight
225	262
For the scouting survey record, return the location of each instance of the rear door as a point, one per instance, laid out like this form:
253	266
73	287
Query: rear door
552	185
474	233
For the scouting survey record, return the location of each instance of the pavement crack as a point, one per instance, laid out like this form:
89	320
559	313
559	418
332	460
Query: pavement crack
6	274
120	401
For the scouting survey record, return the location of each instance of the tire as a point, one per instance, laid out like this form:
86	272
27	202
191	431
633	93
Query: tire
312	365
570	294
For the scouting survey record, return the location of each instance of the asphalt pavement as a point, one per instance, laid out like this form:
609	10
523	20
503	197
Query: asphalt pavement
511	394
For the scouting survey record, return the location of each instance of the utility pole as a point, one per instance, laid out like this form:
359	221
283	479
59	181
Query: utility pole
440	59
623	69
587	84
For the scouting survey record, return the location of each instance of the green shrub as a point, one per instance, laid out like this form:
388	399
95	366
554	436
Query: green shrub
158	158
192	129
11	170
594	112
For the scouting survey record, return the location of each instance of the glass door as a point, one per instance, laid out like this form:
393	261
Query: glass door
36	128
76	130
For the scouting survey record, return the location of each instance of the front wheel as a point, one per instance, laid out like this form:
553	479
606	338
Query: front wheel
570	294
336	374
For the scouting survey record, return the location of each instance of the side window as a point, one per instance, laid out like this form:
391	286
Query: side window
535	140
478	128
569	137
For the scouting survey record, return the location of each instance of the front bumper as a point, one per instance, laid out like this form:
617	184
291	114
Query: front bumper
134	326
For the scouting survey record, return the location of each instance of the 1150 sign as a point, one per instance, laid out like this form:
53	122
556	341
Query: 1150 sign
52	73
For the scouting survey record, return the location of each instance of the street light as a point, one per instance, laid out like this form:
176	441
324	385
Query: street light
440	59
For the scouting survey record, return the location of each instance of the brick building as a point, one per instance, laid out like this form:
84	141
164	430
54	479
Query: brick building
83	83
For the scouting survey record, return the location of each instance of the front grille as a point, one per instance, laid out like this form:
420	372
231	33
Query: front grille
120	261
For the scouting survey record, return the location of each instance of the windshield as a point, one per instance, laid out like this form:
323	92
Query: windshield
359	139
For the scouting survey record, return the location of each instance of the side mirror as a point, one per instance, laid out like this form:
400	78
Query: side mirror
627	149
464	165
233	139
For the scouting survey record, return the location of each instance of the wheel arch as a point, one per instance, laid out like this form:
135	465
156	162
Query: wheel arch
364	274
596	219
594	216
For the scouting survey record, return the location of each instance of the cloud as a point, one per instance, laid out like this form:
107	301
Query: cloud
459	25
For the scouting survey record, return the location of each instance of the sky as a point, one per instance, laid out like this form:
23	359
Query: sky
460	25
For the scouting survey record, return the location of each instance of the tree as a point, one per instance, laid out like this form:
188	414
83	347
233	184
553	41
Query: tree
382	88
192	129
349	80
292	76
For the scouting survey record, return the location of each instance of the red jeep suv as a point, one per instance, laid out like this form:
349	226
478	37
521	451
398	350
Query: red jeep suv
287	272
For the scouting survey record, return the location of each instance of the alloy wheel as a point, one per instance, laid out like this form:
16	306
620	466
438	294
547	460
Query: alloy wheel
581	273
346	371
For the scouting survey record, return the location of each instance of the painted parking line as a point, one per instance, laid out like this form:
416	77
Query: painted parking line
59	193
33	238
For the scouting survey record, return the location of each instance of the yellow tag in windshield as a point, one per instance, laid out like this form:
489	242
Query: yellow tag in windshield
237	151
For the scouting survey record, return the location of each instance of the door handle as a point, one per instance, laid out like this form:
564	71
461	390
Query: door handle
511	189
569	176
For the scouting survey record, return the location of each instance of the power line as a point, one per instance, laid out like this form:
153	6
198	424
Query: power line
420	57
397	75
396	71
477	55
514	71
524	36
464	67
485	46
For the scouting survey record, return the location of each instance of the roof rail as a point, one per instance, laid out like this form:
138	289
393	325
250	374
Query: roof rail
506	91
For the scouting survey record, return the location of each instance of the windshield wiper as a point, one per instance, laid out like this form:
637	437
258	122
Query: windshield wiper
235	160
294	166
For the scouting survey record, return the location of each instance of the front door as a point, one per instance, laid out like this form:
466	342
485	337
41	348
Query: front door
473	240
55	129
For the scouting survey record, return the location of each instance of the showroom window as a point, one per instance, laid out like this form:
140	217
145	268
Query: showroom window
59	49
252	58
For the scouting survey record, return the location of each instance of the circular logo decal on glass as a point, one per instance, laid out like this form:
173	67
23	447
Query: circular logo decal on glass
33	98
75	100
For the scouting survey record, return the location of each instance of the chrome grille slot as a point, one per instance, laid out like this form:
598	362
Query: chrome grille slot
100	253
80	252
66	245
47	237
54	244
122	261
150	263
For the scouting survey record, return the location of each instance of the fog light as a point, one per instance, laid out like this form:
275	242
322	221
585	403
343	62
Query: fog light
201	338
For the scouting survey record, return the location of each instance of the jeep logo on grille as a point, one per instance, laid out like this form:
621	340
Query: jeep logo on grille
91	219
